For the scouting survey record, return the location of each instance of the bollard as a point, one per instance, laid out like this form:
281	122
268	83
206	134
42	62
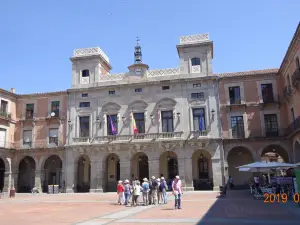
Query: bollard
12	193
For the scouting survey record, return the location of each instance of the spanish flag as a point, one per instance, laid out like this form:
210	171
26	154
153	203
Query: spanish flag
135	130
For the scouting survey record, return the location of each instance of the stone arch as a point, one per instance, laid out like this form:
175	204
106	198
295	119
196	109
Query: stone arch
239	156
2	174
202	170
83	173
113	171
274	152
26	176
296	149
52	172
166	101
140	166
168	165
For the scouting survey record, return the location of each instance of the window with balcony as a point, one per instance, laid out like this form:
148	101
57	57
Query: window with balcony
235	95
53	136
84	126
267	93
27	138
199	119
84	104
55	108
112	124
199	95
237	127
271	125
85	76
167	121
140	122
29	111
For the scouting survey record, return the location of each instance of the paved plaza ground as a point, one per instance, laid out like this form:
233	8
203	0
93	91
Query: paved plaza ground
237	207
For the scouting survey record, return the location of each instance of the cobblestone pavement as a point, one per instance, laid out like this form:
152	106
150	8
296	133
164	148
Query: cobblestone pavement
96	209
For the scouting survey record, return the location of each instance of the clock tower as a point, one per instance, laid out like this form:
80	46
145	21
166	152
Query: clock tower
138	68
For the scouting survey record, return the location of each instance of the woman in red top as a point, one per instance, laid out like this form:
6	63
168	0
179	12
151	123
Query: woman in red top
120	191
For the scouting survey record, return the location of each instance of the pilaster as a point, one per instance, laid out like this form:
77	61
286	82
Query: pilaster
97	175
154	167
69	171
185	170
217	173
7	181
125	169
37	182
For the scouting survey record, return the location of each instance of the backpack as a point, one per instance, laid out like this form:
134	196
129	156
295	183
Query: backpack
153	185
145	187
162	186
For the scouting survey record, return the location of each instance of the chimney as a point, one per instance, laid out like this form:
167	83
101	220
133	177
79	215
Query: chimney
13	90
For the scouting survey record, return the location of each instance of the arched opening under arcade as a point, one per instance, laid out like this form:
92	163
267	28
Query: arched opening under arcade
239	156
297	152
113	171
2	174
26	176
168	166
140	166
83	174
202	170
275	153
52	172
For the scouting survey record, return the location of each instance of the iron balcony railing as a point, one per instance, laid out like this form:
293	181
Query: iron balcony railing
294	126
5	115
235	101
287	91
295	77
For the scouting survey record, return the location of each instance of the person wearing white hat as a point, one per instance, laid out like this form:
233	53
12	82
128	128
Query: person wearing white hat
153	188
177	191
120	191
145	189
126	191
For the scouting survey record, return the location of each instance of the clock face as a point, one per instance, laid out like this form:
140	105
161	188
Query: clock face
138	71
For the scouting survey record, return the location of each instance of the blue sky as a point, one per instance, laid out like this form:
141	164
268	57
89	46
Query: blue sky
38	37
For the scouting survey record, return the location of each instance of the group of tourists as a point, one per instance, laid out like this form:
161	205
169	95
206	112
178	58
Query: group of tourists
150	192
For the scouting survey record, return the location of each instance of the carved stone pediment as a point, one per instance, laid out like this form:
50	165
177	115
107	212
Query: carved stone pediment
169	146
199	144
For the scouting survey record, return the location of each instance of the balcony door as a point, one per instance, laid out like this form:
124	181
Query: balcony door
2	137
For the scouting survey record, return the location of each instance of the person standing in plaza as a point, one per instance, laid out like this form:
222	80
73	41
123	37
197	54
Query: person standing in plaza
136	193
145	188
163	190
120	191
153	188
177	191
158	191
127	191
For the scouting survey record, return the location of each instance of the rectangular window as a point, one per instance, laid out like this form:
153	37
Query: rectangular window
235	95
196	85
84	104
84	126
237	127
112	92
29	111
3	107
84	95
85	73
199	95
112	124
165	87
292	115
53	136
199	119
138	90
267	93
55	108
27	138
140	122
271	125
167	121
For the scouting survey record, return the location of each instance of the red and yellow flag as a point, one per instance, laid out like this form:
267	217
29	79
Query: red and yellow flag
135	130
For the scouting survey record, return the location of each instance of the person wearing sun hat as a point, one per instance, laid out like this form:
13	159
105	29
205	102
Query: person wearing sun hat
145	189
177	191
126	191
120	191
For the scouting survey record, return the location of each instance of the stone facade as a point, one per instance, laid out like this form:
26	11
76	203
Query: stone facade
191	122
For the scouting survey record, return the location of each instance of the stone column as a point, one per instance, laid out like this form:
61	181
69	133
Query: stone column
7	182
69	171
14	180
154	167
185	170
37	181
125	169
96	175
217	173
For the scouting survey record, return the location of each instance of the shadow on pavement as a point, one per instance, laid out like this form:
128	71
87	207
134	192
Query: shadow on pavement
239	207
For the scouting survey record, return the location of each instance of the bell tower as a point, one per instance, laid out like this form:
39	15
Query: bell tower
138	68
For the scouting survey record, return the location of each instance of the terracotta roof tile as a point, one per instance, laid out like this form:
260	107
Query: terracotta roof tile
248	73
43	93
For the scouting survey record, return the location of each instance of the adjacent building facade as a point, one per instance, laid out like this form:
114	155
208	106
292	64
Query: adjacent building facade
145	122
